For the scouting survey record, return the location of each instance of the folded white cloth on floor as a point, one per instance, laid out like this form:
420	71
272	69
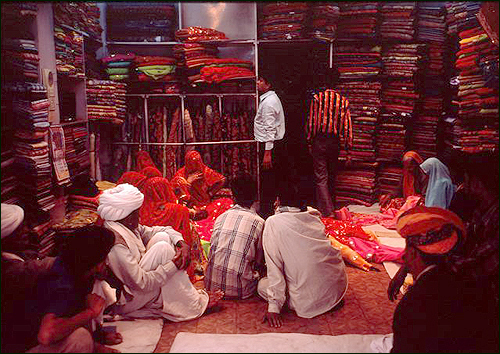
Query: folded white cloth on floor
277	343
139	336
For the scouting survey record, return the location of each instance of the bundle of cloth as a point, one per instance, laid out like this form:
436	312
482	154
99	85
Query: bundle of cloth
69	52
398	21
192	57
403	60
8	178
477	95
155	68
425	126
432	30
357	62
138	22
456	12
364	104
324	19
119	65
391	135
199	34
76	153
358	20
106	100
389	179
83	16
219	70
283	20
356	184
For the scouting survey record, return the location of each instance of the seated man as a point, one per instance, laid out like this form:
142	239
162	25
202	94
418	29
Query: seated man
301	264
236	244
146	263
444	311
55	314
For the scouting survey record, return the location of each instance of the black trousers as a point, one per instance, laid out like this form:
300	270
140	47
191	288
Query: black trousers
325	150
271	179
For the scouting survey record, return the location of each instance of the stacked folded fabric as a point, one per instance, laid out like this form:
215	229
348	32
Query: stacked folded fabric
40	224
32	154
456	13
432	30
19	52
389	179
77	155
357	61
192	57
403	60
81	202
218	70
398	20
69	52
478	88
425	126
391	136
119	65
364	104
153	22
324	19
356	184
199	34
83	16
155	68
283	20
106	100
358	20
9	183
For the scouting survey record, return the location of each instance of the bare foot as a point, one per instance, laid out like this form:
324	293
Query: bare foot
214	298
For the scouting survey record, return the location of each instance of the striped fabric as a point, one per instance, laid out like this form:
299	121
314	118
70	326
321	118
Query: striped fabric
329	113
235	242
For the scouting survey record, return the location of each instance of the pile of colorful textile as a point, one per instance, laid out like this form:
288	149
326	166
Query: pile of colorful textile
478	88
19	52
391	136
218	70
358	20
403	60
364	104
356	184
77	156
324	19
155	68
119	66
33	168
398	20
69	52
432	30
456	13
389	179
106	100
138	22
283	20
357	62
83	16
9	183
40	225
425	126
192	57
199	34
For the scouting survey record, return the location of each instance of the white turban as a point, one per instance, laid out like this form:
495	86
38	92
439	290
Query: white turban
12	217
119	202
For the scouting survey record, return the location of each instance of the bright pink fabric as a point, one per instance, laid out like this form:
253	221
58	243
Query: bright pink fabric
374	252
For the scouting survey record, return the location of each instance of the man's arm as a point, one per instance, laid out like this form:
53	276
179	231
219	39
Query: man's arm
130	273
54	329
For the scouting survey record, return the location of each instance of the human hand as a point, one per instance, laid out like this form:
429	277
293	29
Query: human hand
274	319
196	177
267	163
396	283
95	304
182	257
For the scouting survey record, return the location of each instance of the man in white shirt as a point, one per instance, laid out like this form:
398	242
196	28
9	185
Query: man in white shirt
146	262
269	130
236	254
295	245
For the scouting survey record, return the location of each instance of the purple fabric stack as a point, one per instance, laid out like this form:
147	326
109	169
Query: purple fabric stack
356	184
358	20
398	21
283	20
425	127
324	19
389	179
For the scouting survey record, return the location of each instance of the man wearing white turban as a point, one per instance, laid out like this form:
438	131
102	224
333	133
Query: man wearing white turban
145	261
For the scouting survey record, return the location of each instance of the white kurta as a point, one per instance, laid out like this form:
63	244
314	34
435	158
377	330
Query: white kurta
153	286
299	257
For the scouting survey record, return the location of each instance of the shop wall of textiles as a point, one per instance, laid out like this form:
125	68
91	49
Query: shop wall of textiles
170	77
